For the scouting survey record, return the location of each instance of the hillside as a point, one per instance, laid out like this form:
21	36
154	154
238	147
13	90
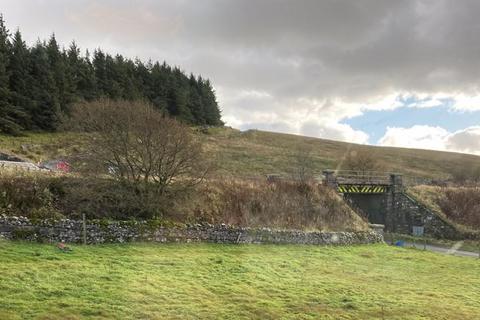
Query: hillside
254	153
258	152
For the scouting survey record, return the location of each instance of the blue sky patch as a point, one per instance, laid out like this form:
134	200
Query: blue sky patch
375	123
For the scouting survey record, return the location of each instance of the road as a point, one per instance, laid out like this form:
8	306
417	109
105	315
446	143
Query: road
433	248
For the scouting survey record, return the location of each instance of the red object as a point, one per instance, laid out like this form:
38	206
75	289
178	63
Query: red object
63	166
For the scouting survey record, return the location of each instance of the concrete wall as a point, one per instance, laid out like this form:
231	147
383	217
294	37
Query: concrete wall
70	231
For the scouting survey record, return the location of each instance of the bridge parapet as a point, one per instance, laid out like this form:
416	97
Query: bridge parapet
363	181
362	177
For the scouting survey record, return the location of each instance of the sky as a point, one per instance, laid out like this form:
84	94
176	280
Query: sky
392	73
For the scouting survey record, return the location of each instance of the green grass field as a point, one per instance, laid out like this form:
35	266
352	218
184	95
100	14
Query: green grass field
207	281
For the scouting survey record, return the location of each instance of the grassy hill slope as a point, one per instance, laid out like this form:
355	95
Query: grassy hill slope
254	152
259	152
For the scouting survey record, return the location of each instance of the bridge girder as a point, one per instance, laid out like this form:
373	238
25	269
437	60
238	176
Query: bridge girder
362	188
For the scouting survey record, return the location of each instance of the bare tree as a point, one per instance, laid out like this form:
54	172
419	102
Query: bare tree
464	175
302	168
134	142
362	161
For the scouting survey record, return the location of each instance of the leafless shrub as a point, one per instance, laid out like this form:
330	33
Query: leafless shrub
133	142
302	167
362	161
462	205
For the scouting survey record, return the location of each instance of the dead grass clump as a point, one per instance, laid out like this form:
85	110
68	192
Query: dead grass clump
459	204
462	205
285	205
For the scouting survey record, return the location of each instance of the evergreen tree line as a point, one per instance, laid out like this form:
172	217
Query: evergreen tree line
39	83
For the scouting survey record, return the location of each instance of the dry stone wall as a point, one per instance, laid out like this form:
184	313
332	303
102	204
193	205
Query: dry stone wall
71	231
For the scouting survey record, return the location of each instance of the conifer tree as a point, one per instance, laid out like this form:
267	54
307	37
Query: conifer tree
64	91
38	84
73	61
158	84
195	101
44	90
84	73
6	124
209	101
19	77
100	72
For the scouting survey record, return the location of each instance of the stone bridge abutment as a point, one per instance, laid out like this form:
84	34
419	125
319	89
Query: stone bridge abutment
381	198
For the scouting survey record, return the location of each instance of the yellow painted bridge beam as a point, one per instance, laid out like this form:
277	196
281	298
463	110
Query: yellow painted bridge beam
361	189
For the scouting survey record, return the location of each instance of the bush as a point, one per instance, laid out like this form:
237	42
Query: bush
27	194
49	196
134	143
288	205
462	205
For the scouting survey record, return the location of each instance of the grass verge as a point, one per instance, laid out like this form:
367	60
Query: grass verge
465	245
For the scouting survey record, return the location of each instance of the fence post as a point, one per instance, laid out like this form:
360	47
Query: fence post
84	229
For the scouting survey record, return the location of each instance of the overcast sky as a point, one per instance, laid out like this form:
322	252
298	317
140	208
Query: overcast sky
398	73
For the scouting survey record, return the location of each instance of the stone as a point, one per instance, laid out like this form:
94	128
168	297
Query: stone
70	231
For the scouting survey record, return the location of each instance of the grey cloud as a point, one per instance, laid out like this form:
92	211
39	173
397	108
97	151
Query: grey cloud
297	51
334	46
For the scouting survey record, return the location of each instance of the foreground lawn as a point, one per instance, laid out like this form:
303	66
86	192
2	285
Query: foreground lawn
207	281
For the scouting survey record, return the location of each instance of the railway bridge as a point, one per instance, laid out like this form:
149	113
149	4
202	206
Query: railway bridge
381	197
